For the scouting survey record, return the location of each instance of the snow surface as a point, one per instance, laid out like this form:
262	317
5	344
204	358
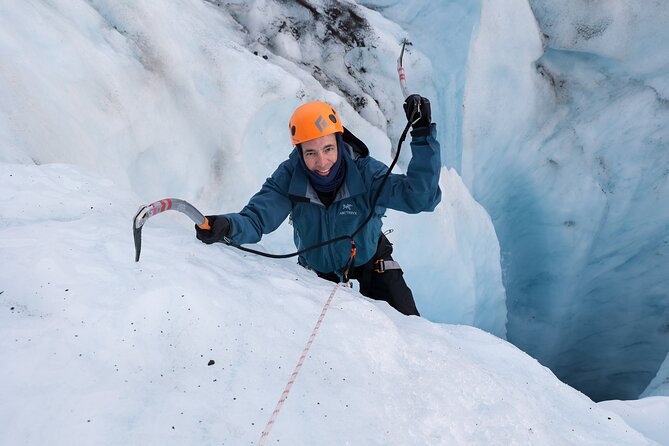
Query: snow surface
137	101
98	349
648	415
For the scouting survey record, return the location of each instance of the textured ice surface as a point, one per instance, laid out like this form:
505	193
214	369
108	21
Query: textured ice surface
566	146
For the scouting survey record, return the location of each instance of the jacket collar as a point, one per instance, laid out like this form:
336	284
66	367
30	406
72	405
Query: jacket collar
300	186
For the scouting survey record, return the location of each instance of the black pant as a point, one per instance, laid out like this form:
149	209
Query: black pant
388	285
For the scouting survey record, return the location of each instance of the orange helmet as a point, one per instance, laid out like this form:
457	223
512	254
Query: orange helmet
313	120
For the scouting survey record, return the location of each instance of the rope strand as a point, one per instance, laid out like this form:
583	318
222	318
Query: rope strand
293	376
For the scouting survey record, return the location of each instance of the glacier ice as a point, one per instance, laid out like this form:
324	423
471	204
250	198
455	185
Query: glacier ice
567	147
553	113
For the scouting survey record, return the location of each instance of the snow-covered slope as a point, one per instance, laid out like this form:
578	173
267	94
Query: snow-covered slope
100	350
648	415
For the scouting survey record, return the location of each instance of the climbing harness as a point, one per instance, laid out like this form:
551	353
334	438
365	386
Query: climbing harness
381	266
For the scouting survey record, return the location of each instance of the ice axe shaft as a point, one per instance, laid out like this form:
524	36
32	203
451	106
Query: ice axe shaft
149	210
414	105
400	70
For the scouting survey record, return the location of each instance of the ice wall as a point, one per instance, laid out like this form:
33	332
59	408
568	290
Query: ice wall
565	144
441	30
659	386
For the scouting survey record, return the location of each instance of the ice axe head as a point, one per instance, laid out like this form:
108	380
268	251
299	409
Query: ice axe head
137	224
149	210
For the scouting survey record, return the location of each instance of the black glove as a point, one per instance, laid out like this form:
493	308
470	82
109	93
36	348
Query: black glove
220	227
418	111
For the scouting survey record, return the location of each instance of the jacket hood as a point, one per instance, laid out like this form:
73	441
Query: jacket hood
358	146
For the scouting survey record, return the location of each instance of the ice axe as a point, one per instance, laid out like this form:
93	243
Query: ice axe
149	210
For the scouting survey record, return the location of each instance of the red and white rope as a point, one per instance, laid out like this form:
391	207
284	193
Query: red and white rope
293	376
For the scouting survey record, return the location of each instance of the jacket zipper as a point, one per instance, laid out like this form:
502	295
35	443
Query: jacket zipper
330	236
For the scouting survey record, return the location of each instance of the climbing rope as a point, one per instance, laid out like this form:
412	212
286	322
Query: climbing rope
293	376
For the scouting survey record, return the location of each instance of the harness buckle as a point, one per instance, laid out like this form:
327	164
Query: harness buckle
379	266
349	264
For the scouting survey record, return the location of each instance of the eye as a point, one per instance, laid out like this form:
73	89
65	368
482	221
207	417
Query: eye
329	149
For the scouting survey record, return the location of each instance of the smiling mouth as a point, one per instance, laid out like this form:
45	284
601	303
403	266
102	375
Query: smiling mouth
323	173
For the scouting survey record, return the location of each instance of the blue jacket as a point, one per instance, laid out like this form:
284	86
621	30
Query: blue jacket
288	191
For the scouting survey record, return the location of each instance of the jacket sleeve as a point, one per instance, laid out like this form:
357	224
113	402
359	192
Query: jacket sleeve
265	211
418	190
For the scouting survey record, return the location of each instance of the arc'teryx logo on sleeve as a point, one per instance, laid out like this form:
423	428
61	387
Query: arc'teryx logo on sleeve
347	209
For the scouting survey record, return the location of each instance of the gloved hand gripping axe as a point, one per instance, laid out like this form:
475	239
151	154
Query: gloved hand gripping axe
149	210
413	102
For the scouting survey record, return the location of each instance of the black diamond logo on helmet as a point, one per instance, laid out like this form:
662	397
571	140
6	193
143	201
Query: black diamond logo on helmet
321	123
